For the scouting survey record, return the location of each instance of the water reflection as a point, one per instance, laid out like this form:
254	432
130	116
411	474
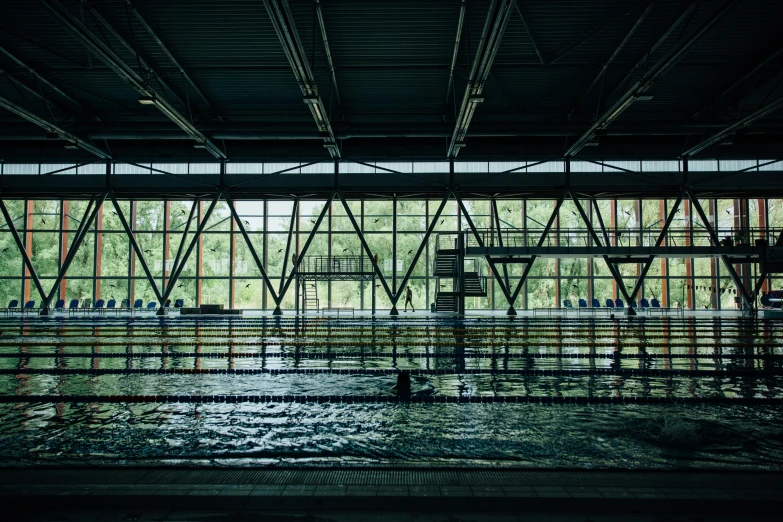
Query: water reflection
329	363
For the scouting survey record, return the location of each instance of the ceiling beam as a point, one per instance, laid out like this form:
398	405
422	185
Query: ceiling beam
39	77
750	74
533	39
124	71
328	51
647	79
264	130
52	128
616	52
454	55
142	64
644	60
166	51
610	23
283	23
766	110
494	28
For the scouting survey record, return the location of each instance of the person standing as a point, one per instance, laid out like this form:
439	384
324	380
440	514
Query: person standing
409	298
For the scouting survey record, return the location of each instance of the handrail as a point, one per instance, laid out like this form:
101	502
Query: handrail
621	237
335	264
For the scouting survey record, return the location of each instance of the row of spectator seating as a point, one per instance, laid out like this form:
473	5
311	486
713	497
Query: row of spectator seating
100	306
617	303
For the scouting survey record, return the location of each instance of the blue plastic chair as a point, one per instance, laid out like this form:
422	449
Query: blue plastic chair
111	304
609	303
567	304
179	303
645	303
582	303
73	305
137	305
618	303
595	303
59	305
13	304
655	303
29	306
99	304
152	306
633	303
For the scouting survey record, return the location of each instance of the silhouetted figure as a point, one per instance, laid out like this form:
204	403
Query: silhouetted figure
403	386
168	303
375	259
409	299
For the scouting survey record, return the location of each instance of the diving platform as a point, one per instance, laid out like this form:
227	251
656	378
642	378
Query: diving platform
336	268
502	247
314	269
621	245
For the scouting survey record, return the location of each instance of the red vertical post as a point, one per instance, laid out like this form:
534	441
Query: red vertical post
556	228
686	205
132	259
166	241
714	281
613	232
28	244
637	211
664	267
763	235
200	264
232	262
98	251
589	261
64	246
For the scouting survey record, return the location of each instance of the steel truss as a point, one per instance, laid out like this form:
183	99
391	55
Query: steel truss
393	291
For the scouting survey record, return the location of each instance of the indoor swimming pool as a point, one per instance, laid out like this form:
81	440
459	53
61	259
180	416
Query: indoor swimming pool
528	392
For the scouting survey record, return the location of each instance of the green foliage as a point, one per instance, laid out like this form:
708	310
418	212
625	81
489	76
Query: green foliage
160	237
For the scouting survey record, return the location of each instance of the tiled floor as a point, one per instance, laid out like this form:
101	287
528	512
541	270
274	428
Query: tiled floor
130	494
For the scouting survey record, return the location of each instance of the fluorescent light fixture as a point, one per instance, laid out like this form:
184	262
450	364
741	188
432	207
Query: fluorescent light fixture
71	146
147	100
199	146
644	97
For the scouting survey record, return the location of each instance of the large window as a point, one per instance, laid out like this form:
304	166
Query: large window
221	265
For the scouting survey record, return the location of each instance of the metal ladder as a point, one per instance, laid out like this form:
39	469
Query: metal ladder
309	296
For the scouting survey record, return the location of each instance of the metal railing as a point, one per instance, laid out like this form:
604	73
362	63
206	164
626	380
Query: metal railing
335	264
626	237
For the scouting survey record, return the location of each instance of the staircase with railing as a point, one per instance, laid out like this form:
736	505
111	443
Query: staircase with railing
446	267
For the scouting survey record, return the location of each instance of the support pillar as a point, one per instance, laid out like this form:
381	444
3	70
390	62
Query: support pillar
98	253
199	256
664	262
689	281
64	223
132	256
763	226
461	273
28	246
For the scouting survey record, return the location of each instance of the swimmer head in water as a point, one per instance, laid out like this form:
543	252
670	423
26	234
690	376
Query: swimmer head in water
403	386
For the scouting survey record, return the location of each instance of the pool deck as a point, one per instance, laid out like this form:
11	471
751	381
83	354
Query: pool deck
392	490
